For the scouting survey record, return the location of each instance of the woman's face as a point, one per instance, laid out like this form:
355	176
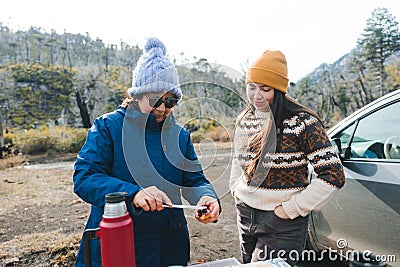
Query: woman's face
148	104
260	95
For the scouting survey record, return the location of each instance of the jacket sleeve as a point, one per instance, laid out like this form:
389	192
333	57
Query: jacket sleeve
93	165
330	176
195	184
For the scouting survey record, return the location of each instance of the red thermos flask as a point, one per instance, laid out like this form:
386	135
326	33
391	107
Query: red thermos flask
115	233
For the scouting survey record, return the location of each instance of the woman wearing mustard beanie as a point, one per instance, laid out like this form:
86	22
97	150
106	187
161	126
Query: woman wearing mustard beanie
276	138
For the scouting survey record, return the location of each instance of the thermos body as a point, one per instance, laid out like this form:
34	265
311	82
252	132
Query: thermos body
116	241
115	234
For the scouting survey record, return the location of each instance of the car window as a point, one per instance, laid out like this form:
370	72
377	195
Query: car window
346	135
377	136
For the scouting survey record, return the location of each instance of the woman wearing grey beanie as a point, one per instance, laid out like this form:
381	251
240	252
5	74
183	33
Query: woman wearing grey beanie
141	150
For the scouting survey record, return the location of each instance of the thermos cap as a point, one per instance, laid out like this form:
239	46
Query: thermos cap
115	197
115	205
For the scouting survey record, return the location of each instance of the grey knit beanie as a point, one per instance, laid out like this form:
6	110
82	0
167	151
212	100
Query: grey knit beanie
154	72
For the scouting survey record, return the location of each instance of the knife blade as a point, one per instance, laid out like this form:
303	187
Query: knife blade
174	206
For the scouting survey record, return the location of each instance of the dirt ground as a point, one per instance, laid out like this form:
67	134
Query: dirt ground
41	219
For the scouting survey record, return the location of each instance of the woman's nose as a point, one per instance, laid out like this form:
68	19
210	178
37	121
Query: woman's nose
258	94
161	107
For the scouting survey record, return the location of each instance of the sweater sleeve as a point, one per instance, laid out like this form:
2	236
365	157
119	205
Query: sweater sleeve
313	197
236	175
321	155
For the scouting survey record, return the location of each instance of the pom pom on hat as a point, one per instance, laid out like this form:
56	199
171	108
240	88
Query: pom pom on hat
269	69
154	72
156	44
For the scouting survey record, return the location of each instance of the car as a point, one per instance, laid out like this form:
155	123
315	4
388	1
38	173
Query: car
364	215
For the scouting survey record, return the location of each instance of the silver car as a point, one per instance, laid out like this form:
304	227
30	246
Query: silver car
364	215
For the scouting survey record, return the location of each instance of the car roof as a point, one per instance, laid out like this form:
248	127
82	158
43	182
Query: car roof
382	101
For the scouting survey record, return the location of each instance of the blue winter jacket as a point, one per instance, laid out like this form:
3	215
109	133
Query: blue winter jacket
126	151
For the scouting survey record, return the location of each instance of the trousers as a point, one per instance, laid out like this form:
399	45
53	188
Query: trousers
263	235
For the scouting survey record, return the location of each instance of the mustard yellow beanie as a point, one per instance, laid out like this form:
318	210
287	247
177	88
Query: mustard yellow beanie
269	69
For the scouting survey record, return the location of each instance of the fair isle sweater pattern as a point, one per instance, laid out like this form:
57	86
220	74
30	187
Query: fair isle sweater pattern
302	142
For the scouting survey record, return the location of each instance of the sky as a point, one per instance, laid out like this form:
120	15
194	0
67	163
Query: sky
227	32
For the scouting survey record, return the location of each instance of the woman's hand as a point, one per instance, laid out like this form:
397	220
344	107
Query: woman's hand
280	212
151	199
212	208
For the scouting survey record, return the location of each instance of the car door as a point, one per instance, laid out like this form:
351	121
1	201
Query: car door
365	214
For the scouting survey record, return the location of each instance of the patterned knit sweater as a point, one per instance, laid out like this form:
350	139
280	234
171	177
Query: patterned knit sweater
301	146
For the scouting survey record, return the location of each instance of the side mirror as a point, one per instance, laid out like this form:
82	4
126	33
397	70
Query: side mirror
338	145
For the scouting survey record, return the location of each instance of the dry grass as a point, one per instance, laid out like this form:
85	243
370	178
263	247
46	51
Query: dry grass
41	219
51	242
11	161
220	134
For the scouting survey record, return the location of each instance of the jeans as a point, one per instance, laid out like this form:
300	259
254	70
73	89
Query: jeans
263	235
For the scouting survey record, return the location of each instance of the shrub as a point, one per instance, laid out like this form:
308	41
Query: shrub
70	140
217	134
35	141
8	145
220	134
45	140
196	136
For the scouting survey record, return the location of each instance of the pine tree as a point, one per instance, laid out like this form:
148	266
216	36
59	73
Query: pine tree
380	39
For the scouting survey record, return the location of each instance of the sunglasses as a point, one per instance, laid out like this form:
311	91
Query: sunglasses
169	102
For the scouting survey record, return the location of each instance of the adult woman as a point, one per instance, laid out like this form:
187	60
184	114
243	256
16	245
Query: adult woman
276	139
139	149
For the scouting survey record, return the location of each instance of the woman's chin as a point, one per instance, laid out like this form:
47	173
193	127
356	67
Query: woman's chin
263	107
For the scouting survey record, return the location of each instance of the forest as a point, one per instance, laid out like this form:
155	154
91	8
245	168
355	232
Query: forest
50	80
367	72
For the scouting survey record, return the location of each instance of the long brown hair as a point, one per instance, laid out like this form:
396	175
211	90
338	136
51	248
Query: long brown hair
282	107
